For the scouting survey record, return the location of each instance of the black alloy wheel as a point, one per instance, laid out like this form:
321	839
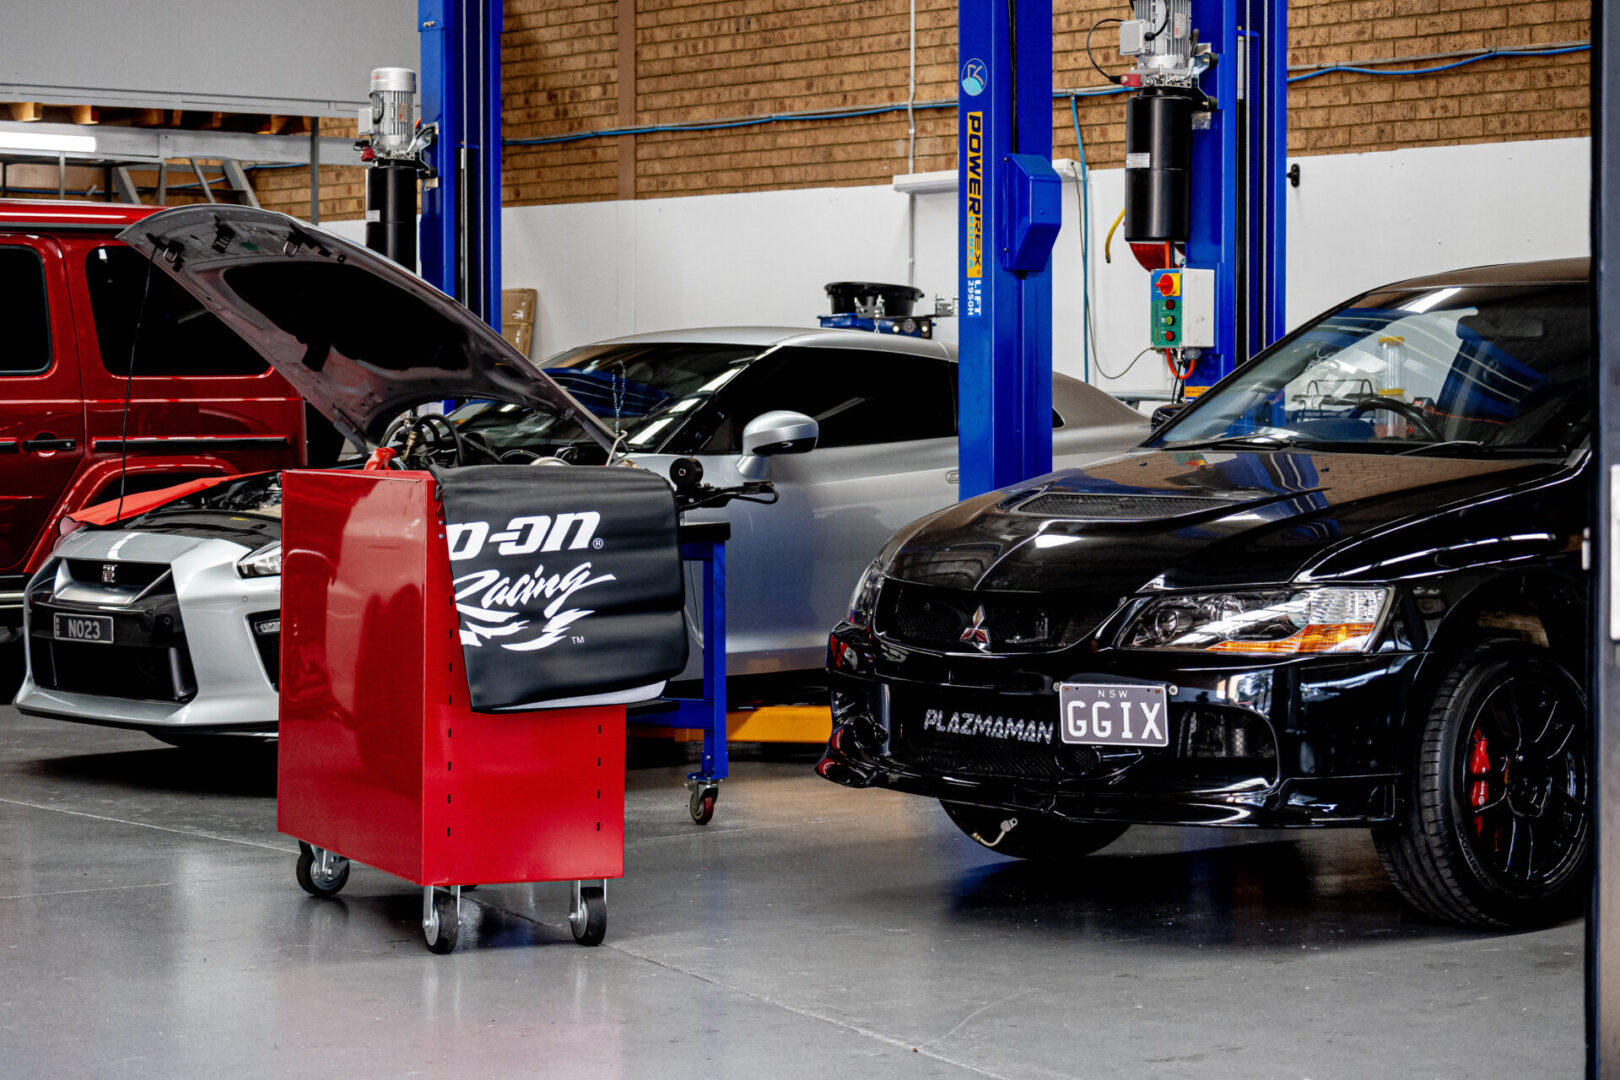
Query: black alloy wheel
1495	826
1039	837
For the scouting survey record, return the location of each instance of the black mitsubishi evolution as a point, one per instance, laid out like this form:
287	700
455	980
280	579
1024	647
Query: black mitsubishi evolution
1344	587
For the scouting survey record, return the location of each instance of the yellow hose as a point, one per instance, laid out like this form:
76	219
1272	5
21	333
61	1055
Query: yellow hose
1108	243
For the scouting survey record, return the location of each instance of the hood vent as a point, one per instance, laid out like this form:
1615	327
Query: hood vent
1090	507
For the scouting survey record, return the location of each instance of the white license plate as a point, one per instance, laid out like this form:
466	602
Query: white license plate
1114	714
93	628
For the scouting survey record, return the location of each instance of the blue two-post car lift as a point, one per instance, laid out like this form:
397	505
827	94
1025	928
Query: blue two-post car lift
1009	209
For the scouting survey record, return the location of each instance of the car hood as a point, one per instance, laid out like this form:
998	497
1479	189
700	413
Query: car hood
357	335
1193	519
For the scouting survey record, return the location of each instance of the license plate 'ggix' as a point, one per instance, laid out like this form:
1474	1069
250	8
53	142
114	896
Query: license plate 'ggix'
1114	714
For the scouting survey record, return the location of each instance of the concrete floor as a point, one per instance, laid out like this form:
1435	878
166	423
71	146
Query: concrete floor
150	925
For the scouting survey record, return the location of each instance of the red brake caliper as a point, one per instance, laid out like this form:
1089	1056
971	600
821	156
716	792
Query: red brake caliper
1479	767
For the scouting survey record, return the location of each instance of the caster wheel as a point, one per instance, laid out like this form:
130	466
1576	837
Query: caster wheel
442	932
313	879
701	804
589	920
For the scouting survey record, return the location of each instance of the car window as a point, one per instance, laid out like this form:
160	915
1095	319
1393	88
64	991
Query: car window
27	348
647	390
178	337
1462	369
857	396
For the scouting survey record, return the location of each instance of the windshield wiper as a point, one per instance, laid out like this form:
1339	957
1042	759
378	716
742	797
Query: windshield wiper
1487	448
1265	442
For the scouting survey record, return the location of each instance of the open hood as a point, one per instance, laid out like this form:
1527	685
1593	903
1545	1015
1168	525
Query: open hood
357	335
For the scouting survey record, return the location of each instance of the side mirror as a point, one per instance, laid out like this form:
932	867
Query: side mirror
1165	412
779	431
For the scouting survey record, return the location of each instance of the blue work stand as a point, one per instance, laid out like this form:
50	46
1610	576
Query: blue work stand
705	543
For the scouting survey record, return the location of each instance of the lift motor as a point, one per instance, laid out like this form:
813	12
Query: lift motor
392	145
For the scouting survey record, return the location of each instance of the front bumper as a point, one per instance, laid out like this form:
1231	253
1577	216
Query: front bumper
188	653
1299	742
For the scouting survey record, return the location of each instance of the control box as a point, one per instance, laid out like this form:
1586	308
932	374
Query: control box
1182	303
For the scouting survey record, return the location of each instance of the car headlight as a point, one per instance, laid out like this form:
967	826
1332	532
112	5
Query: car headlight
864	599
265	562
1268	622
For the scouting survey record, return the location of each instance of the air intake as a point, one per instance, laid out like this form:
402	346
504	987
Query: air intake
1080	507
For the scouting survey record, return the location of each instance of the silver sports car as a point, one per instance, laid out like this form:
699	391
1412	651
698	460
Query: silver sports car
168	621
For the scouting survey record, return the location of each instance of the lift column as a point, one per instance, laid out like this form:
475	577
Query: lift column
461	93
1009	209
1239	224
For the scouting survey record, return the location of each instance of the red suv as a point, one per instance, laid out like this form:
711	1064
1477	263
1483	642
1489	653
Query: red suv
199	402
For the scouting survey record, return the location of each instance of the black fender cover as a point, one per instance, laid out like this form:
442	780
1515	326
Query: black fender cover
567	581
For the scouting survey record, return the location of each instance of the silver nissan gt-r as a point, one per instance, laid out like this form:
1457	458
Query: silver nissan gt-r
172	625
169	621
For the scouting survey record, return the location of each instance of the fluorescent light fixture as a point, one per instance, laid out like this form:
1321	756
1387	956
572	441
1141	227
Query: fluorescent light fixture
1430	300
43	143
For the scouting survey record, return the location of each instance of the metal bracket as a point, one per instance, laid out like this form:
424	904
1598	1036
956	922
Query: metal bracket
1034	211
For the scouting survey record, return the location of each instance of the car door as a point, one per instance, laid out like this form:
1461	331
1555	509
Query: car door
202	402
41	399
886	456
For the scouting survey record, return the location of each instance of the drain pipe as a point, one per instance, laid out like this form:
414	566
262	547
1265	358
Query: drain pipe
911	156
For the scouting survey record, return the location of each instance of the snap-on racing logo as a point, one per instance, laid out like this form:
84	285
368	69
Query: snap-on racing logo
525	535
493	602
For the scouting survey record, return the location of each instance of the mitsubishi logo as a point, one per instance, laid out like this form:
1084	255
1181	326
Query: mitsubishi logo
109	573
976	635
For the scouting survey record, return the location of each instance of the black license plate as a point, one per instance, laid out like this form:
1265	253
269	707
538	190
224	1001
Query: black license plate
97	629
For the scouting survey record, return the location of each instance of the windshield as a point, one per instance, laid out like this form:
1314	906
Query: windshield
642	392
1456	370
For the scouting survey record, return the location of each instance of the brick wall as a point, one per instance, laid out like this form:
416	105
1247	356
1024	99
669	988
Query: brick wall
713	59
343	191
697	60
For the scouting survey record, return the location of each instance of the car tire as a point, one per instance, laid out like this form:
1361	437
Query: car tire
1493	825
1038	837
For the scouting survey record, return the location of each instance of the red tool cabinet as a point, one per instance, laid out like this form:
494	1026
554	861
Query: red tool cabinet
381	759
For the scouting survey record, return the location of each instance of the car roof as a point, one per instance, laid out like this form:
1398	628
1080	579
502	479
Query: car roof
798	336
1544	271
51	215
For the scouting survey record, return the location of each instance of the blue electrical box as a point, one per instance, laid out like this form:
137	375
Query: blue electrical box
1034	211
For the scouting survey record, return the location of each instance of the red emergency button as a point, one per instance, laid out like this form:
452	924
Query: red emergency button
1169	335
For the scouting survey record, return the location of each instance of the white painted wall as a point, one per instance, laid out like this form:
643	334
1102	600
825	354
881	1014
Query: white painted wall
1356	221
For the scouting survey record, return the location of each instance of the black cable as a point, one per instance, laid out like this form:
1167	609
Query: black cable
129	384
429	425
1012	63
1111	78
1162	25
